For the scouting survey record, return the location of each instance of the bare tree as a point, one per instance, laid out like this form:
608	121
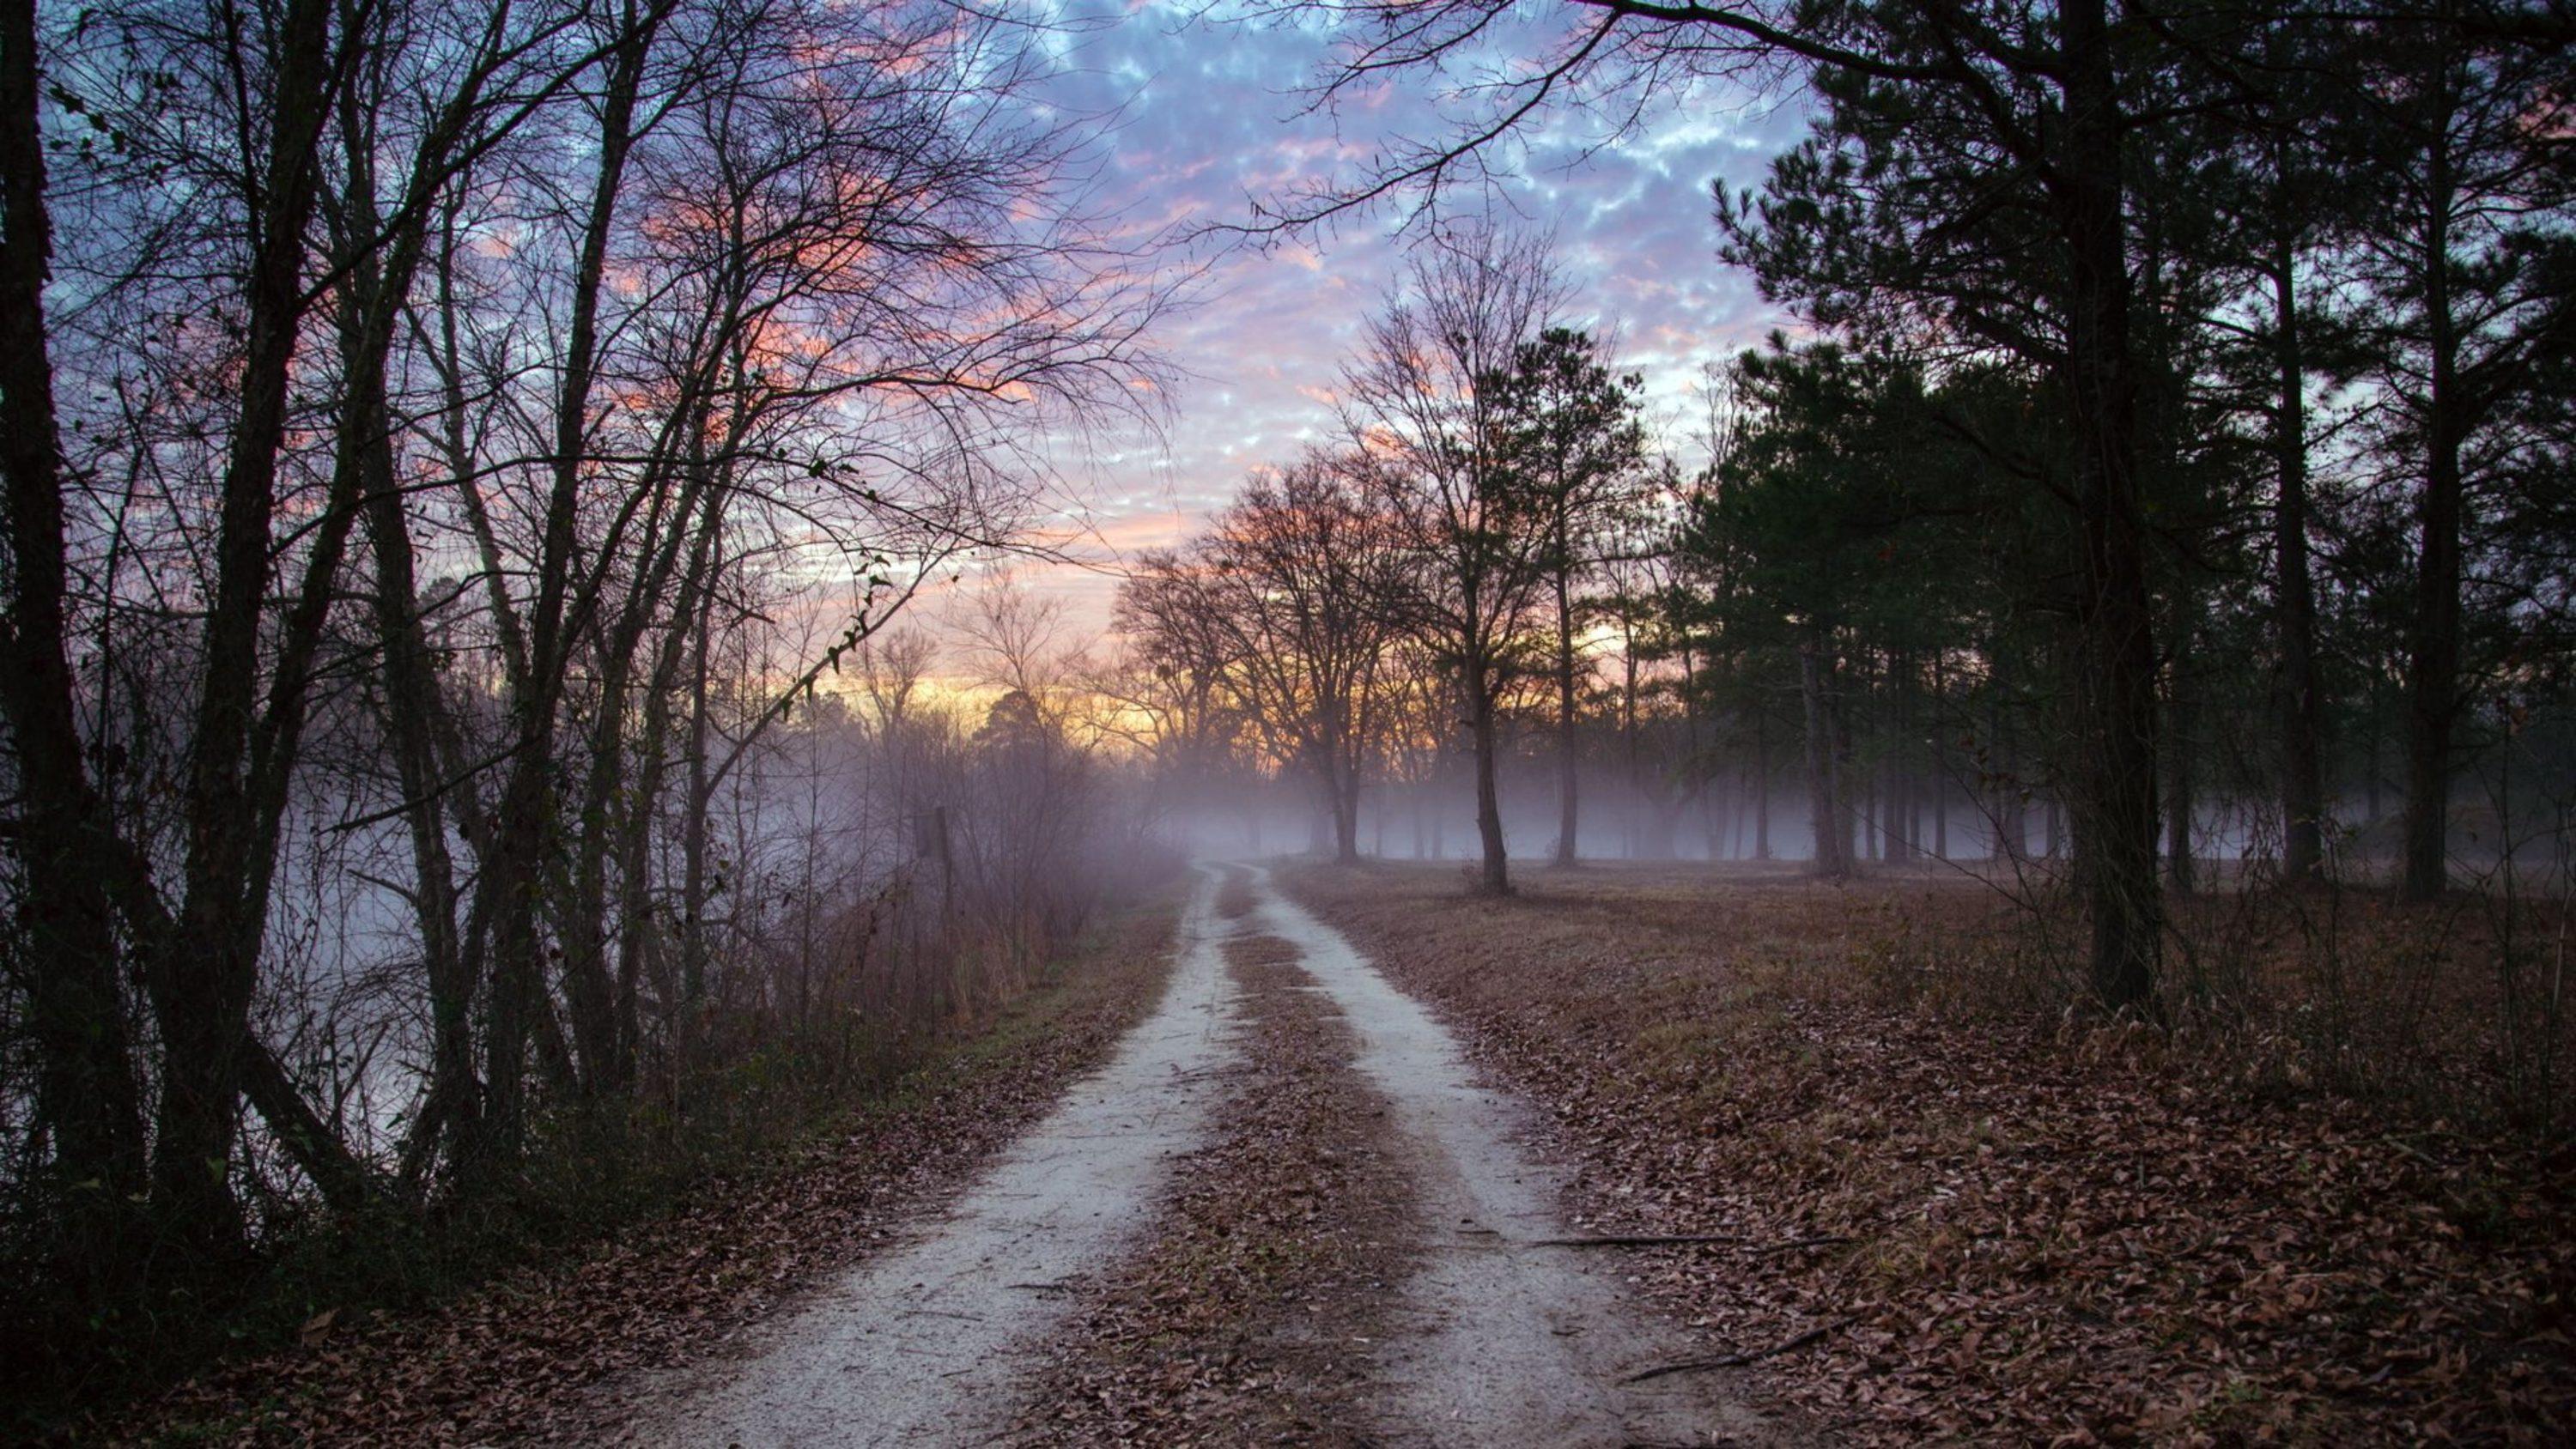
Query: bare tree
1575	436
1302	579
1425	405
448	447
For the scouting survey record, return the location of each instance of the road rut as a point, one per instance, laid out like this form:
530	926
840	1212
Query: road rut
1501	1343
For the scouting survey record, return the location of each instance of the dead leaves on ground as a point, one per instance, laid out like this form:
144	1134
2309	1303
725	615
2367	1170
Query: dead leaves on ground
2035	1235
1249	1318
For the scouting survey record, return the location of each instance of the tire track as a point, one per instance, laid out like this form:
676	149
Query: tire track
1497	1342
933	1341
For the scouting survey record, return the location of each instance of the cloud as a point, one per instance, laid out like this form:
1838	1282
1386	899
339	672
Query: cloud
1208	115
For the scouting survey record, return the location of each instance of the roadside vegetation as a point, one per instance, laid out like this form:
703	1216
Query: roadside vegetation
442	1339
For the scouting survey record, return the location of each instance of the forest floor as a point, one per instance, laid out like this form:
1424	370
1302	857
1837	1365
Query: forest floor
1347	1156
1930	1222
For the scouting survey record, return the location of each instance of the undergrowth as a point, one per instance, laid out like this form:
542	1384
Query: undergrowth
587	1176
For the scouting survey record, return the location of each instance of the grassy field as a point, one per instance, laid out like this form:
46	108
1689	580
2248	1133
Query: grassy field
1950	1207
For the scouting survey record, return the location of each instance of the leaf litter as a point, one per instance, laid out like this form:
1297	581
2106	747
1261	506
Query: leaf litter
2028	1232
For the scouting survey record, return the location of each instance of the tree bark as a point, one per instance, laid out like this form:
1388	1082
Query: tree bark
1565	762
1832	858
202	988
1899	824
2302	709
2181	871
2114	794
1761	788
1496	879
1940	760
86	1094
2433	635
528	808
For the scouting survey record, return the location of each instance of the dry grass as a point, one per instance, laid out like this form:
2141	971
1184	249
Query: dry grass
2019	1226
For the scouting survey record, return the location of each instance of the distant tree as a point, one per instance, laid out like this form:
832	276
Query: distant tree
1302	577
1425	406
1574	433
2282	201
2469	259
1968	178
1799	505
1172	677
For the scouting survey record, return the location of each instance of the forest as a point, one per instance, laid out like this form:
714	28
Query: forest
533	676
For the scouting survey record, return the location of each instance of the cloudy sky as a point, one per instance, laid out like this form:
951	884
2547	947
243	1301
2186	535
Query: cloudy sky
1211	113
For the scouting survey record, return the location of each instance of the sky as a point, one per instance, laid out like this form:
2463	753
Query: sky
1209	113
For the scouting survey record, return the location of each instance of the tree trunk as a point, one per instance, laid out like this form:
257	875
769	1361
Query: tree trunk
2372	811
1940	760
1832	860
1899	826
1761	788
2180	869
2302	710
1496	880
86	1096
1565	764
202	989
1641	800
1842	807
695	889
2433	637
528	806
417	723
2010	806
2115	782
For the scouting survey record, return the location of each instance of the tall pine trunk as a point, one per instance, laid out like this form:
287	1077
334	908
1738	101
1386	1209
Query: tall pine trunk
2433	636
2302	710
1565	763
2181	870
2114	796
1832	852
1761	788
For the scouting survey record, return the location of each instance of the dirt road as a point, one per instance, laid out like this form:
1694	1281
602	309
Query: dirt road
1491	1339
